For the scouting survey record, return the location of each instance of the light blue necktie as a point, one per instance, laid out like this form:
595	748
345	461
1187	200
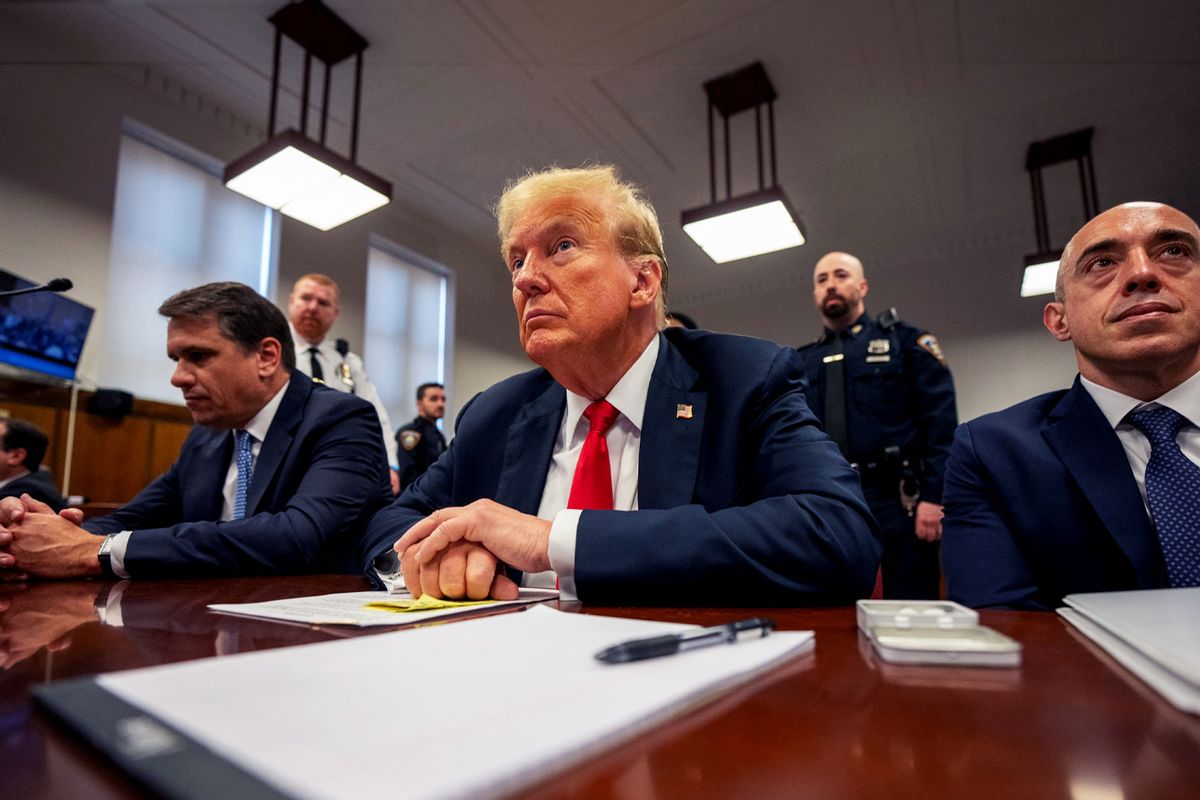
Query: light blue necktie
244	459
1173	494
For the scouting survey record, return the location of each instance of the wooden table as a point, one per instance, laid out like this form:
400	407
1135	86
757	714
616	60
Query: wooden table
1069	723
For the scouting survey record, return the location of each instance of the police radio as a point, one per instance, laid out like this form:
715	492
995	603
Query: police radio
343	348
888	319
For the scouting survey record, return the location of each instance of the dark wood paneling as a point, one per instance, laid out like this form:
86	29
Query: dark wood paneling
165	440
110	462
113	459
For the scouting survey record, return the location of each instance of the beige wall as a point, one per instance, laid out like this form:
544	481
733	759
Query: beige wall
58	162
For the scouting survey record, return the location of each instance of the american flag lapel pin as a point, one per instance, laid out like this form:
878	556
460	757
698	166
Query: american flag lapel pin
683	411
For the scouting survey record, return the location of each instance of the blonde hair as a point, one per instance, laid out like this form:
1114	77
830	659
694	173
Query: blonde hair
321	280
631	219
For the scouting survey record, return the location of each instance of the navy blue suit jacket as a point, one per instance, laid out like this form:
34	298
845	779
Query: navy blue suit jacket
320	474
1041	502
747	502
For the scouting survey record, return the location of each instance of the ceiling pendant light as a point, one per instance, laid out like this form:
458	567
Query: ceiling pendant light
749	224
1041	268
300	177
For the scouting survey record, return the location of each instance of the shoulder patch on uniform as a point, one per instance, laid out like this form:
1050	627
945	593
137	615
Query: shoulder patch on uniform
930	343
409	439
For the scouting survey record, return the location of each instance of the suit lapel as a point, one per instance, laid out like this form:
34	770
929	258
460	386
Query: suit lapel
528	450
1083	439
672	428
279	439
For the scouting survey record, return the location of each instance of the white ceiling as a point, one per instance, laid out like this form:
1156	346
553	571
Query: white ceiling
902	124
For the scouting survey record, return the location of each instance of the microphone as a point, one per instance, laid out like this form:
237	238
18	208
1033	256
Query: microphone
56	285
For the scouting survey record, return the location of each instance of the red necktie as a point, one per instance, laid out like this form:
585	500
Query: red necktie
591	488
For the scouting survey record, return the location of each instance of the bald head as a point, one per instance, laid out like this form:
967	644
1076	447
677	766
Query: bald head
1104	228
1128	299
838	289
837	260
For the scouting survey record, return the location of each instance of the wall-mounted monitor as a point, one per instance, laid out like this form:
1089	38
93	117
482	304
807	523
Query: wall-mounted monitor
43	331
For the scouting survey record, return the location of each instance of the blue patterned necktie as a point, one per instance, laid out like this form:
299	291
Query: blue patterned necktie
244	459
1173	494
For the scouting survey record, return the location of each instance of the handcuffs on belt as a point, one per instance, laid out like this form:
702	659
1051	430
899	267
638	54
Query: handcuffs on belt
909	487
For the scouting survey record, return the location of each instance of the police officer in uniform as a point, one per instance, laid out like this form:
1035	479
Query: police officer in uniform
312	309
420	443
885	396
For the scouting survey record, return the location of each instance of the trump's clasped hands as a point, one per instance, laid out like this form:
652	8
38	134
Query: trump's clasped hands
461	551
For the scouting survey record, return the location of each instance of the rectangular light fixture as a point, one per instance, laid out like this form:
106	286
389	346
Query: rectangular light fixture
1041	268
306	181
1041	273
749	225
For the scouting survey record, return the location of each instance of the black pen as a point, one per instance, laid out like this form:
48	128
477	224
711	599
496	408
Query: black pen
655	646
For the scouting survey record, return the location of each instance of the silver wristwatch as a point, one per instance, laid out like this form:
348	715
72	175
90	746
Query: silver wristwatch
105	556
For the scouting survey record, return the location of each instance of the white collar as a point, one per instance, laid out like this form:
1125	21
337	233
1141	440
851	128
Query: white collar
303	344
12	478
628	396
1115	406
260	423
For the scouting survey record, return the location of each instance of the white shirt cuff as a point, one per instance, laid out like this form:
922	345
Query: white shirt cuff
562	551
117	553
110	612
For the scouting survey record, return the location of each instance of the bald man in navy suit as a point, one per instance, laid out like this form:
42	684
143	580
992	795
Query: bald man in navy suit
719	485
1049	497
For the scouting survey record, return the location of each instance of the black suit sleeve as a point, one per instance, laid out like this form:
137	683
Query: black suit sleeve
419	498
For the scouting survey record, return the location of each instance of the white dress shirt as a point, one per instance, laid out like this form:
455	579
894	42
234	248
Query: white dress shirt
257	427
1184	399
331	361
624	440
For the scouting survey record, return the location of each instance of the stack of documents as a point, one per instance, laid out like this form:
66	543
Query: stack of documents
472	709
372	609
1155	634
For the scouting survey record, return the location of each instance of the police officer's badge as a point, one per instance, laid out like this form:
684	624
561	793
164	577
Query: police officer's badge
930	343
410	439
879	346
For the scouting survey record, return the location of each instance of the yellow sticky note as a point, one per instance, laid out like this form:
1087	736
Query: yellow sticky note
403	605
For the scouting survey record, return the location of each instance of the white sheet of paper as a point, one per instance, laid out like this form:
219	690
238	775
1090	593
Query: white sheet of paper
495	704
349	608
1152	632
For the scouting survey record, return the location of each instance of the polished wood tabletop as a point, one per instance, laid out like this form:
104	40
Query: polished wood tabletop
835	723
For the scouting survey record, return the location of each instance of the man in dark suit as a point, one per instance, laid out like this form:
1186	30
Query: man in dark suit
22	448
279	476
634	466
1095	488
